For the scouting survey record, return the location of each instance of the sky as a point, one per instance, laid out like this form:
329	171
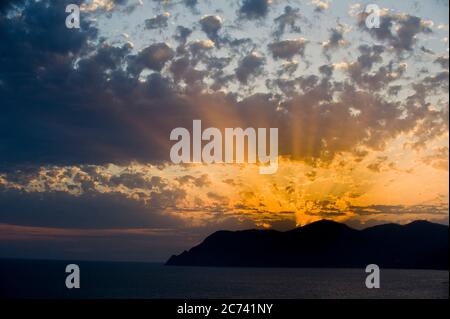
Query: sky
86	116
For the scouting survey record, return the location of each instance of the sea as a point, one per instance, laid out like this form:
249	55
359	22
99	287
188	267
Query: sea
127	280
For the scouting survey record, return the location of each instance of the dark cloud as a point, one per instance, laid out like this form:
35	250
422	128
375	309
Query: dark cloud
108	57
289	20
326	70
183	70
120	2
289	67
92	210
287	49
377	80
41	26
360	70
433	122
254	9
7	5
191	3
335	37
377	122
370	55
157	86
200	181
399	30
251	65
137	180
238	45
182	34
394	90
335	41
157	22
69	101
442	61
426	50
211	26
153	57
401	209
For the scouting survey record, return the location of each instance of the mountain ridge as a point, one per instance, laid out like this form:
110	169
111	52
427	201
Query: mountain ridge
324	244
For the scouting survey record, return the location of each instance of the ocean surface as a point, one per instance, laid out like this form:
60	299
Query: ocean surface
46	279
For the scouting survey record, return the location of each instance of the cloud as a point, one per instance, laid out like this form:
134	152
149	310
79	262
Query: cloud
360	216
7	5
182	34
254	9
91	211
320	6
201	181
360	70
289	18
199	47
287	49
440	210
190	3
250	66
41	26
153	57
288	67
84	103
442	61
439	158
326	70
211	25
381	163
335	41
183	70
159	21
399	30
104	5
137	180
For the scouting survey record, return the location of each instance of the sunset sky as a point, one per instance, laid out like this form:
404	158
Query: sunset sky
86	116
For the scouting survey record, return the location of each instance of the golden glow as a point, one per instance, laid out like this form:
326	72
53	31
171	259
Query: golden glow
203	194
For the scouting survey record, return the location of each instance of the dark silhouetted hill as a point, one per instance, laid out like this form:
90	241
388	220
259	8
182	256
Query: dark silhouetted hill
418	245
